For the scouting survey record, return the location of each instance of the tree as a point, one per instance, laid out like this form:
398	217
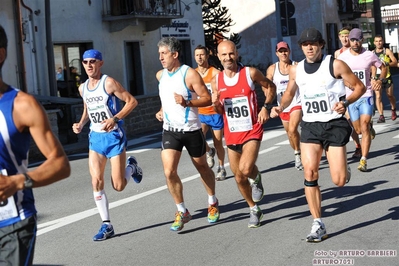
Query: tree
217	23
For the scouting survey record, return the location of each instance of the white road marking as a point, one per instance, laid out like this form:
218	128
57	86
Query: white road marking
58	223
55	224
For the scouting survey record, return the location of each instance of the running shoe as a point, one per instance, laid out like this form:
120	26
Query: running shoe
257	189
358	153
137	173
362	165
348	174
213	213
221	174
255	216
381	119
106	231
180	220
298	162
210	157
394	115
317	233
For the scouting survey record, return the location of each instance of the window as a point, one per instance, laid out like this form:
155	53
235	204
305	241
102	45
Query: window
134	68
68	68
186	54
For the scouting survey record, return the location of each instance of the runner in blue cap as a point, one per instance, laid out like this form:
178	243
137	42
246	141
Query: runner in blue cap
107	139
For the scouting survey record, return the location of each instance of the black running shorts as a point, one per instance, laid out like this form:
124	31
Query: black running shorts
194	141
332	133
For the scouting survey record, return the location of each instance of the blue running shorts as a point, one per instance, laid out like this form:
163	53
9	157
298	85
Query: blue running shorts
213	121
363	106
109	144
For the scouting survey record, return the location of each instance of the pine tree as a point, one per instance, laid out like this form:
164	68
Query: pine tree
217	23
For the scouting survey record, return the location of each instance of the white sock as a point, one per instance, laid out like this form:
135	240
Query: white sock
181	207
297	152
251	181
212	199
363	158
129	170
102	204
318	220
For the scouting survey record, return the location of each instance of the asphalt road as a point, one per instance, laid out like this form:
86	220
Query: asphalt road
361	218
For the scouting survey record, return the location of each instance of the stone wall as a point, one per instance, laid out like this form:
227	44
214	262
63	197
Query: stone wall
140	121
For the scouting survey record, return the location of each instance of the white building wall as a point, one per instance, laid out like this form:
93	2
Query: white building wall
76	21
9	70
255	21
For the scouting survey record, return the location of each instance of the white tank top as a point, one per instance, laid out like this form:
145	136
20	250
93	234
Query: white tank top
176	117
319	92
100	105
281	82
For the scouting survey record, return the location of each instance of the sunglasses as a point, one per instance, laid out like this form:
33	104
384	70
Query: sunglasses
354	40
85	62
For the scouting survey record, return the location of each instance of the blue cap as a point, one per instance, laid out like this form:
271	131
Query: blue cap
92	53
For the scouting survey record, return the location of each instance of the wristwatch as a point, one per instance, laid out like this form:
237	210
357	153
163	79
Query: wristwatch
375	78
116	119
188	102
345	103
268	106
383	80
28	181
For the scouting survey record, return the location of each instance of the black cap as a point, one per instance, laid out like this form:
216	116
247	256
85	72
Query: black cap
310	35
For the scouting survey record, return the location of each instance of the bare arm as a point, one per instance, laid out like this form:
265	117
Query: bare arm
289	93
268	88
195	83
394	62
77	127
30	116
376	85
159	114
114	87
270	71
341	69
217	105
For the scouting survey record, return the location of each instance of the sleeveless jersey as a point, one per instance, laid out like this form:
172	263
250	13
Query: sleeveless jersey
14	147
386	60
281	82
360	66
207	80
176	117
319	92
238	97
100	105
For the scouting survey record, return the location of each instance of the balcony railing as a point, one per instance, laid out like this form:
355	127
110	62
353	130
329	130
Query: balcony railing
154	13
390	15
141	8
352	8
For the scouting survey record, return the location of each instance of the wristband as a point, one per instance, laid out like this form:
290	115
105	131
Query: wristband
268	106
345	103
28	183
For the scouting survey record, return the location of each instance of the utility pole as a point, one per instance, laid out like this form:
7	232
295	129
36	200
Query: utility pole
377	18
278	20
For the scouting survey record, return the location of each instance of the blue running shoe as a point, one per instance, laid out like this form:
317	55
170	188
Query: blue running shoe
137	174
106	231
